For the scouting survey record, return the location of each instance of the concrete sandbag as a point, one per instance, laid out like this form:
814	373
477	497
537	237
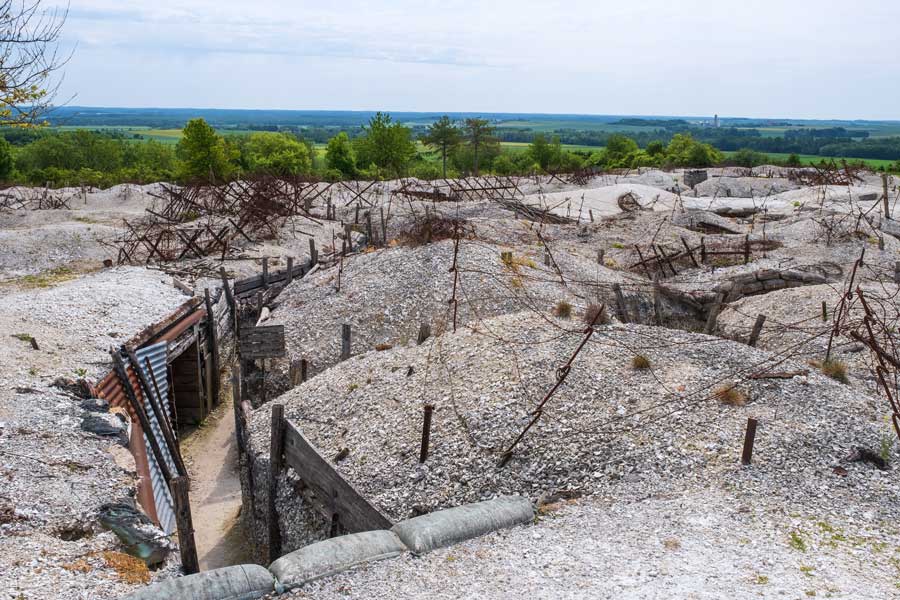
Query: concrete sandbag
335	555
240	582
453	525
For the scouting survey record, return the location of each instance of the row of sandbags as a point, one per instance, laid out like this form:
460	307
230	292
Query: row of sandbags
418	535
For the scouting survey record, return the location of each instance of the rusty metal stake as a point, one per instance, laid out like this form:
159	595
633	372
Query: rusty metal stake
426	433
749	438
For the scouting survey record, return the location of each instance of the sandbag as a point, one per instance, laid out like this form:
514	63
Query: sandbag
453	525
240	582
335	555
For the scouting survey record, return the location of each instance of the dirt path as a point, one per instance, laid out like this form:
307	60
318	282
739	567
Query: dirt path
211	455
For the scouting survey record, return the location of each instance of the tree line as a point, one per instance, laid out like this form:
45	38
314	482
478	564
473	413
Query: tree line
382	149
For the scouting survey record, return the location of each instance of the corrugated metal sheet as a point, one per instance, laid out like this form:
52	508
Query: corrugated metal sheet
165	507
110	389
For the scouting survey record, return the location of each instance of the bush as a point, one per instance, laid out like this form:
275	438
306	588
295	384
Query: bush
426	170
563	309
730	395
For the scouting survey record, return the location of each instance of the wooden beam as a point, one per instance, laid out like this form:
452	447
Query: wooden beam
333	494
186	544
276	450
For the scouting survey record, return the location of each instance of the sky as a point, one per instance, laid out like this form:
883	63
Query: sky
763	58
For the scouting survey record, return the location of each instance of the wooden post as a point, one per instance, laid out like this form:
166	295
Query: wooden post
262	384
384	240
179	488
620	302
290	270
749	438
304	368
119	367
265	272
591	214
600	254
884	183
426	433
345	341
714	314
703	250
897	271
276	449
313	254
229	298
370	237
824	311
757	328
212	336
238	421
294	372
156	401
424	333
746	249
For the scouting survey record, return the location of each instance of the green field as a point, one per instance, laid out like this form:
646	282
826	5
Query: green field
522	146
808	159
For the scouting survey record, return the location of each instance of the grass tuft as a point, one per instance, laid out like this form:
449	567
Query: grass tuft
563	310
130	569
730	395
639	361
835	369
591	313
47	278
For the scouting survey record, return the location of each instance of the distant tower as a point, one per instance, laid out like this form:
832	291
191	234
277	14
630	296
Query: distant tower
716	122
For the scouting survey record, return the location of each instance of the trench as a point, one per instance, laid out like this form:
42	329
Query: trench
210	452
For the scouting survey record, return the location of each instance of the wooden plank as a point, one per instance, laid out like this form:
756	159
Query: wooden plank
215	374
266	341
179	489
243	286
276	449
356	513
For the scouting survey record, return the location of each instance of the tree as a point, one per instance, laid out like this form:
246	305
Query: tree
478	133
685	151
29	56
276	153
541	151
339	155
749	158
794	161
204	153
442	135
656	148
386	145
6	160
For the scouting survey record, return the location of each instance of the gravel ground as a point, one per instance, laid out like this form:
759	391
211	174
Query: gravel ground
55	474
385	295
607	423
700	544
640	457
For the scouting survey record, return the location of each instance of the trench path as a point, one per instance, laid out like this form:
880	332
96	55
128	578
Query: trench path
210	452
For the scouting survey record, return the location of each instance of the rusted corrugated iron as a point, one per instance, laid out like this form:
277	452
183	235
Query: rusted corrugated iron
110	389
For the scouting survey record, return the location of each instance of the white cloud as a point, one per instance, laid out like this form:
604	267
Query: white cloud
803	58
